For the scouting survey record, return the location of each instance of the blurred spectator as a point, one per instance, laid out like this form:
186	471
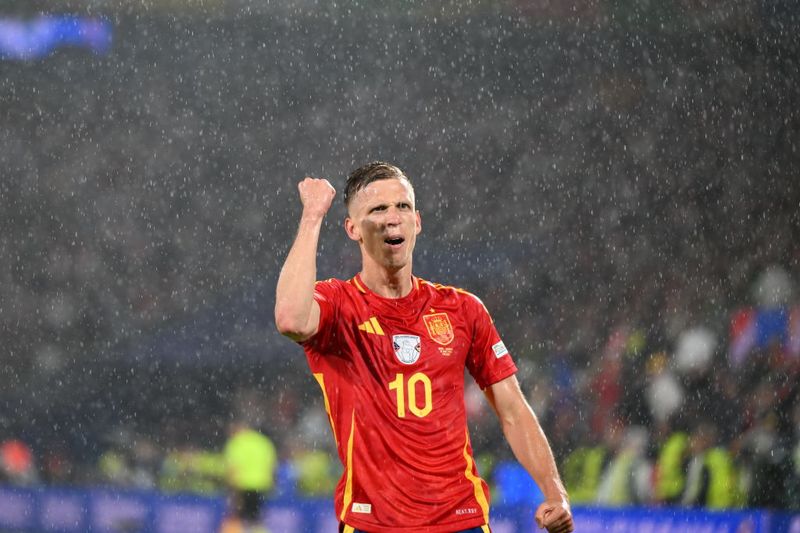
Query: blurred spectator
312	457
316	472
191	469
130	460
671	468
583	468
606	386
665	394
771	322
58	467
695	351
711	477
793	484
250	463
626	480
766	463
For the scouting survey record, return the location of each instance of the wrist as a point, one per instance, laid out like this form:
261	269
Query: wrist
557	494
563	503
312	217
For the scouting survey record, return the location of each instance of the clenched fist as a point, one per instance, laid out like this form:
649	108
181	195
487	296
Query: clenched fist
555	516
316	196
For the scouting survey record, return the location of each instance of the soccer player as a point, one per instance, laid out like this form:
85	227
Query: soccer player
389	350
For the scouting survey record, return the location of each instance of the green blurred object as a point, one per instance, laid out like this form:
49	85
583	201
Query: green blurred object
315	476
582	470
250	460
671	472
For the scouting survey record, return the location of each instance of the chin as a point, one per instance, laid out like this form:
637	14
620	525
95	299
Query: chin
395	265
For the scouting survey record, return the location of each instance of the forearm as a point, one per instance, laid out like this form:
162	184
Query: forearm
294	296
529	444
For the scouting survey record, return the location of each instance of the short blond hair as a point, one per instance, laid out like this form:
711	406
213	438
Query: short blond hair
366	174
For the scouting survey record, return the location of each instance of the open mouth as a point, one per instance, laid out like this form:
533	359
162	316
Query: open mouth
393	241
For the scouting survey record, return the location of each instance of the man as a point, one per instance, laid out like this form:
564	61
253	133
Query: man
250	463
389	351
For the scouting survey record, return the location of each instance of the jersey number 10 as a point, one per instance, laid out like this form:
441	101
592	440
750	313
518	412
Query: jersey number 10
408	389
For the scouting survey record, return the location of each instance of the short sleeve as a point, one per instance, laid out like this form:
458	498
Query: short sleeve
488	360
327	295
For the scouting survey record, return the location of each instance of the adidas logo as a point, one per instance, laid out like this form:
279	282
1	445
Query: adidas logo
371	326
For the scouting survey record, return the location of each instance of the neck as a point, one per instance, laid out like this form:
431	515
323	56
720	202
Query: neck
386	283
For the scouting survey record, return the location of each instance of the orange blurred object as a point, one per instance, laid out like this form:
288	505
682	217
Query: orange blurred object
16	457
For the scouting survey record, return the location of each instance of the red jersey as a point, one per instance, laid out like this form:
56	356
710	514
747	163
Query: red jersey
392	376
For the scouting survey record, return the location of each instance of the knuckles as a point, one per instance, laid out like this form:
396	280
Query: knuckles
316	192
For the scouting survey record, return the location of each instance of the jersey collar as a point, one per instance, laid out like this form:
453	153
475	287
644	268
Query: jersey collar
362	287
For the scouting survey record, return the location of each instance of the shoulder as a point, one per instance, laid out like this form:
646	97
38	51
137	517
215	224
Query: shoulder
328	290
332	284
450	292
333	288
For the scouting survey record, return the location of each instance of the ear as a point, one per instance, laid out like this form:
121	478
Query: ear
418	224
352	229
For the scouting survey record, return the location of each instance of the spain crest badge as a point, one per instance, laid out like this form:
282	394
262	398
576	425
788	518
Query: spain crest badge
439	328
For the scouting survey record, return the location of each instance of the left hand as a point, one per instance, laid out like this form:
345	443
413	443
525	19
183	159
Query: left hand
555	516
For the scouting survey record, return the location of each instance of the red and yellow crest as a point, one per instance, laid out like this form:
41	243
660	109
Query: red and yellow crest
439	328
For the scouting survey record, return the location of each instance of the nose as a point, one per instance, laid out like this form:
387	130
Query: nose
393	217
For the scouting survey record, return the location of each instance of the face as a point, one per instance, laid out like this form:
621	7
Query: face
383	220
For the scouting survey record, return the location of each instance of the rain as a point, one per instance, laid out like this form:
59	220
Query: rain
617	181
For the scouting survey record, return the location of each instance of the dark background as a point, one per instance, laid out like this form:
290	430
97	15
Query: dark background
579	167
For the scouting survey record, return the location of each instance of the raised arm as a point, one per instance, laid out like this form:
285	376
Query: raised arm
296	312
530	446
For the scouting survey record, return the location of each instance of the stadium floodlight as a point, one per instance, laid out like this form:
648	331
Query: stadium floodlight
31	39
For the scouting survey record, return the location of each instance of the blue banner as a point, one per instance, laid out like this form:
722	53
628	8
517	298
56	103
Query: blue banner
111	511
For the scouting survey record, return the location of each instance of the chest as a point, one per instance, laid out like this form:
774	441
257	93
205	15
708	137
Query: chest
428	337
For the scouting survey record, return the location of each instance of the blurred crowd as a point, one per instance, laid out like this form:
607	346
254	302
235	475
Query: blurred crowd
616	194
705	419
